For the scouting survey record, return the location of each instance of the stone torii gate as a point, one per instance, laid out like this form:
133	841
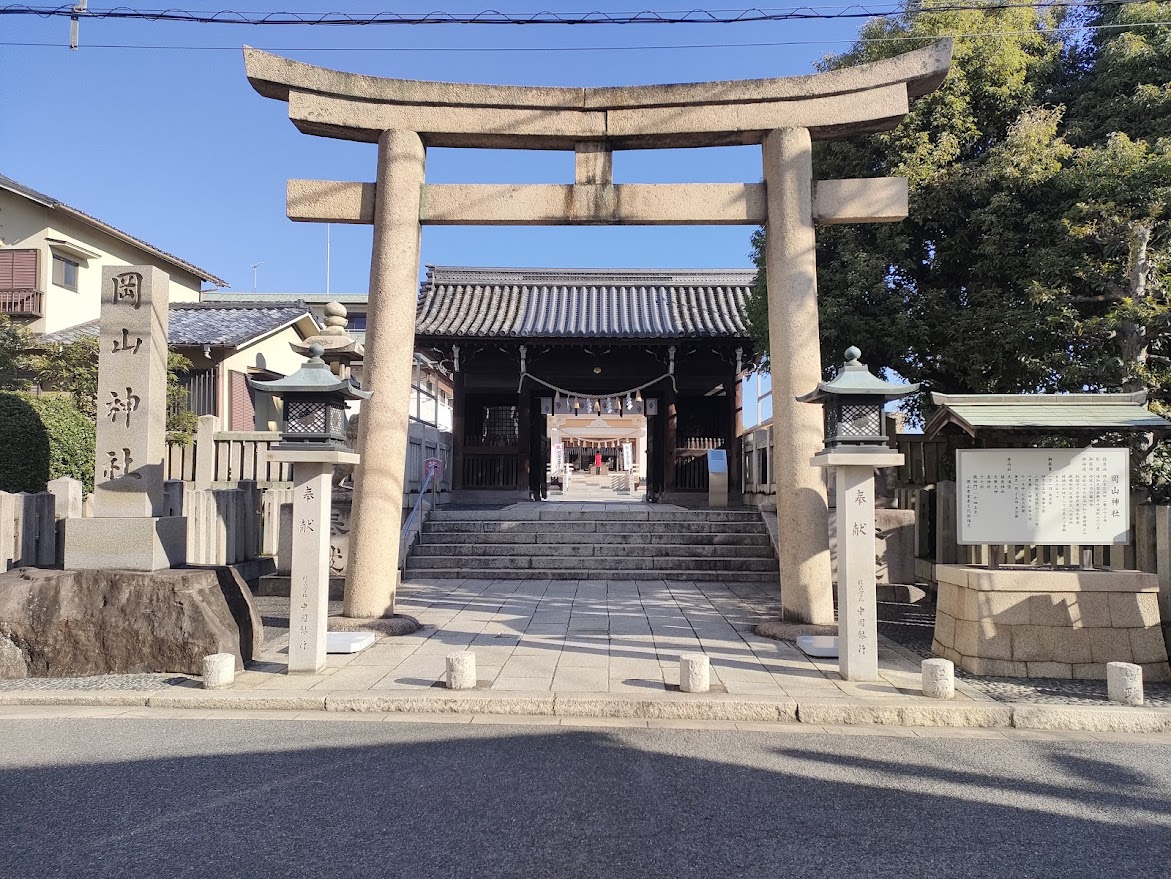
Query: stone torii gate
784	115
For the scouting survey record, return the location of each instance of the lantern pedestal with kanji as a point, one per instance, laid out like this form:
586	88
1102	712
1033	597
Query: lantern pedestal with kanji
309	569
855	446
314	442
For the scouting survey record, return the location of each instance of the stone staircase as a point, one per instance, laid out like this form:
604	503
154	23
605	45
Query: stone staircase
540	541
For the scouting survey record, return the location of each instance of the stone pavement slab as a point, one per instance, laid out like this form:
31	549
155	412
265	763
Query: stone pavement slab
604	649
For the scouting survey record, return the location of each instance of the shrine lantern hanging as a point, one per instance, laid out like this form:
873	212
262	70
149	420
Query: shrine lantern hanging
854	401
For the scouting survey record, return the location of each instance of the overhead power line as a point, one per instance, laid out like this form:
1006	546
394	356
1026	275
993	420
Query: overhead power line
561	49
493	17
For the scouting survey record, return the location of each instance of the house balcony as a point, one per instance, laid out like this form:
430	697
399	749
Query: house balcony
22	303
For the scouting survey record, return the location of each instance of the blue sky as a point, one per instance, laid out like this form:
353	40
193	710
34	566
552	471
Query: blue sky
174	146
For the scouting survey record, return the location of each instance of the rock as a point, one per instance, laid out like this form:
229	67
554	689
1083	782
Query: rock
70	623
13	662
243	608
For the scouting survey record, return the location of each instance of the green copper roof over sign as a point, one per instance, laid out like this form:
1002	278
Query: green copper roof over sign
1044	412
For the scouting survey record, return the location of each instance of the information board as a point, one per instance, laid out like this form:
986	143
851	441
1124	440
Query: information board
1043	496
717	461
627	457
557	457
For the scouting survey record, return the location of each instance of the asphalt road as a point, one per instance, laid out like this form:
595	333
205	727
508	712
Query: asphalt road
247	798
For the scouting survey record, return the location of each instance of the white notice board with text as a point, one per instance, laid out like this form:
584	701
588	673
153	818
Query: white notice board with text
1043	496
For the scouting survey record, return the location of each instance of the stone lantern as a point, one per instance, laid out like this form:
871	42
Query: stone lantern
855	445
313	442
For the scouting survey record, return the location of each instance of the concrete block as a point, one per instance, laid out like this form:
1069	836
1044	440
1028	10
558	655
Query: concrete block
1055	609
1094	609
1124	683
1062	670
125	544
219	671
1156	672
993	641
1112	719
1109	645
1134	610
999	668
938	679
461	670
1049	644
1089	671
1146	645
694	673
967	638
945	629
1004	608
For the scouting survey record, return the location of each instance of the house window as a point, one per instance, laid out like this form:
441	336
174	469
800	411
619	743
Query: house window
65	272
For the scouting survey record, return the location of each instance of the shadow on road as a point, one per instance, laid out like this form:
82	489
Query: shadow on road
155	798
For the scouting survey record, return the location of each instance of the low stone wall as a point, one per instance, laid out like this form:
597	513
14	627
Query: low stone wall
1031	622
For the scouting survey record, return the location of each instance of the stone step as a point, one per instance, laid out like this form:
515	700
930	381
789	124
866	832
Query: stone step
641	514
592	550
593	527
528	539
574	563
421	573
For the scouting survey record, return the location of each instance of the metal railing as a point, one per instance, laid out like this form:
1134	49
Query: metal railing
404	538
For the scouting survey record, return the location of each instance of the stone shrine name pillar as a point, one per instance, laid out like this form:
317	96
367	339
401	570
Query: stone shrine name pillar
372	572
795	361
129	529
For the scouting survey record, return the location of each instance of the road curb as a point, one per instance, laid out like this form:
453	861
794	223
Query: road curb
714	707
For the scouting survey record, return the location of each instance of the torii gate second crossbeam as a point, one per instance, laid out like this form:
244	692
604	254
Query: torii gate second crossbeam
784	115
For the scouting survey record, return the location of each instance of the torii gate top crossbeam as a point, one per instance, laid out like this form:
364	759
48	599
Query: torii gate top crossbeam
835	103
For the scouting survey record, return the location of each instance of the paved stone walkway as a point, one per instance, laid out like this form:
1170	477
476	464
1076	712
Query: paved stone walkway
571	637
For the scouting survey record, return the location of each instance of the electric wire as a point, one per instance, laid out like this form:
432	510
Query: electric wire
905	38
494	17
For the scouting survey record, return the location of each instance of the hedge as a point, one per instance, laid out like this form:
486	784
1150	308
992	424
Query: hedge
43	438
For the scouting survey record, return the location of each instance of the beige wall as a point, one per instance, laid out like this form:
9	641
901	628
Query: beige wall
25	223
272	353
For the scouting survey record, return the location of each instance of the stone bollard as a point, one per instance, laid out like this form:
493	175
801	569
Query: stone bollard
1124	682
219	670
694	673
939	679
461	671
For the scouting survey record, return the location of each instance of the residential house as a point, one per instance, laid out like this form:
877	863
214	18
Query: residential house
51	259
228	343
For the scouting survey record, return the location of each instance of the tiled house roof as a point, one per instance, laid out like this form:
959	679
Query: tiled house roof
200	323
584	303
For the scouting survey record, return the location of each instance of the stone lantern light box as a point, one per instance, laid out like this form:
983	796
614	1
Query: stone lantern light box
314	405
854	401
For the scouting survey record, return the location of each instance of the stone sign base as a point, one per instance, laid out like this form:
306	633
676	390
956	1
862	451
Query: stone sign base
129	544
1033	622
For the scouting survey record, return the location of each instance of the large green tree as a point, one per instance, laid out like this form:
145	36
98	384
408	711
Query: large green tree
1034	255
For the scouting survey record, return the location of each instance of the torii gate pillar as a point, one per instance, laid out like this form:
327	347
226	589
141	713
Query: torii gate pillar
795	361
382	429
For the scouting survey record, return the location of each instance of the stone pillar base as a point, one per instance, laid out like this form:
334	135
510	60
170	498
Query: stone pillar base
129	544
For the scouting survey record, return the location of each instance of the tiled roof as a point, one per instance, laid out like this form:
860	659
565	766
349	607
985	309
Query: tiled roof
1044	412
56	204
200	323
584	303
